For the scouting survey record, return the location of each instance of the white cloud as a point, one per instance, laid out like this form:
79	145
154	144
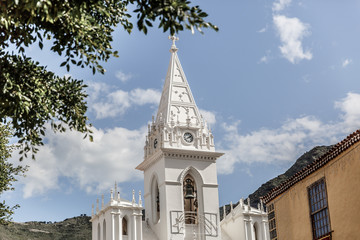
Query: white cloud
280	5
262	30
96	89
233	127
116	103
92	166
287	142
123	77
346	62
350	106
208	116
40	175
105	102
145	96
264	59
291	32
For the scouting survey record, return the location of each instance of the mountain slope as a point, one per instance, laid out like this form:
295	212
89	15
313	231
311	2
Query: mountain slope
76	228
300	163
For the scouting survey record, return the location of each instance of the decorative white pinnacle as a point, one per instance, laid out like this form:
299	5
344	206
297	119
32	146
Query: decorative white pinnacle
133	197
261	205
115	190
140	201
102	201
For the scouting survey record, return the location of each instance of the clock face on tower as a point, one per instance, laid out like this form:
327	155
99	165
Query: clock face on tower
188	137
155	143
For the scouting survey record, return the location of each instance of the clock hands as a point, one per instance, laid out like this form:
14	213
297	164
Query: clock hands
155	143
188	137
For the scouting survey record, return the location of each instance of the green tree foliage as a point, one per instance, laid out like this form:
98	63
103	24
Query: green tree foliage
80	32
8	172
31	96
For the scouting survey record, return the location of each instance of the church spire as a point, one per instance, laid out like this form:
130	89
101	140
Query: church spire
177	105
178	123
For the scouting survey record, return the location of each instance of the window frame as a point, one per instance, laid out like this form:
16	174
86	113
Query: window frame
319	208
272	221
125	226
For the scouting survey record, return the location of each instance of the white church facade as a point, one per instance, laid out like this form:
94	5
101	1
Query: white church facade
181	197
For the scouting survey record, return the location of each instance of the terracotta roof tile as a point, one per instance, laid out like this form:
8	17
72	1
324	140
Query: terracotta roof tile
315	165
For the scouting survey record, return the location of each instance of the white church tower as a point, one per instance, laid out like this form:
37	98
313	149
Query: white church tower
180	179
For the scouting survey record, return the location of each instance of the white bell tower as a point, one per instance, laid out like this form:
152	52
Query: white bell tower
180	179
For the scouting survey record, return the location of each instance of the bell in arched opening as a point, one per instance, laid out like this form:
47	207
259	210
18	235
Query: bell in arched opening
190	200
189	189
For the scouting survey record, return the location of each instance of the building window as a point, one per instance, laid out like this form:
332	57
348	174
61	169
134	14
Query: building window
272	222
124	227
319	212
256	231
104	229
98	232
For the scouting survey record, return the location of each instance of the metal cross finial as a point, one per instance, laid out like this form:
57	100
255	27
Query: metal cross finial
173	46
173	38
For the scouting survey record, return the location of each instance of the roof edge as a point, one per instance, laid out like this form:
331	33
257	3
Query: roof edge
333	152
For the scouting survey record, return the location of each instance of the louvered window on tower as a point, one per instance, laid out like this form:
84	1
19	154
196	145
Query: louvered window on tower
319	212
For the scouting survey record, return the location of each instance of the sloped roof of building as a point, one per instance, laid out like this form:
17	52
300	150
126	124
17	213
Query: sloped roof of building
315	165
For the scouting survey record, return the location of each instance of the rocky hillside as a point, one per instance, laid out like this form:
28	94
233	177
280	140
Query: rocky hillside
77	228
300	163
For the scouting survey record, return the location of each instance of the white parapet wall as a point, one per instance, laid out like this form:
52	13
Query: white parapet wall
245	223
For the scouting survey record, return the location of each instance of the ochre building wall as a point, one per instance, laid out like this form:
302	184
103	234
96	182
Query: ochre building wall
342	178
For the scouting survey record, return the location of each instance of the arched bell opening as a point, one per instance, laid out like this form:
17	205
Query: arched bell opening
191	201
155	199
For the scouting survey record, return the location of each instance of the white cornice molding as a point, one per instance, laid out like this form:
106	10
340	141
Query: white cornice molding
150	160
210	185
176	183
179	154
191	154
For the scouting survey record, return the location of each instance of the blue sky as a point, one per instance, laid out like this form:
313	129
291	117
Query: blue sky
279	78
